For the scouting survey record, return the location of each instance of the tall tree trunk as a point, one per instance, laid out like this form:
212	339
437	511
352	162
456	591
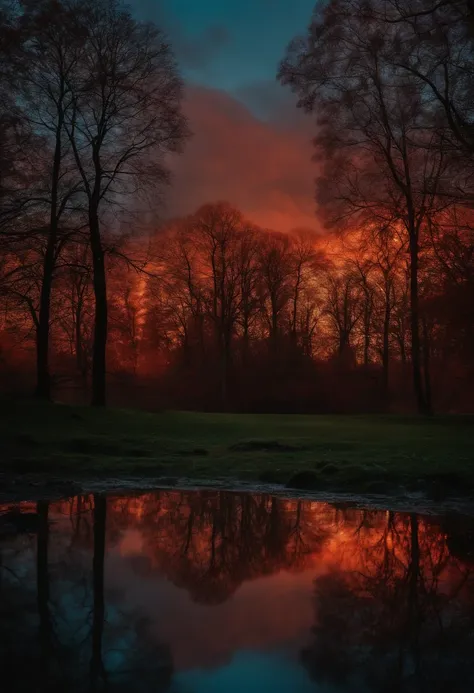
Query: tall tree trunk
245	342
294	317
100	320
386	344
43	379
100	517
343	342
366	349
79	348
274	327
403	351
415	329
224	369
426	366
367	325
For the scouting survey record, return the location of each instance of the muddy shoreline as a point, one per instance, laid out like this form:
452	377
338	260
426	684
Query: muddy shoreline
33	487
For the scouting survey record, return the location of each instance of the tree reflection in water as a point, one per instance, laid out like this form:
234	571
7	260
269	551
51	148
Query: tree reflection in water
401	618
393	593
74	630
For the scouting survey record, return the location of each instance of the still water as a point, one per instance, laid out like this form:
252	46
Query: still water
218	592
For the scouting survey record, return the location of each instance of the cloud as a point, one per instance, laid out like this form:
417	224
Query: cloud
262	167
271	102
199	52
196	48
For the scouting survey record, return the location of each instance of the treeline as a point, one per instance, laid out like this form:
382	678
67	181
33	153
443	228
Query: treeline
209	311
220	314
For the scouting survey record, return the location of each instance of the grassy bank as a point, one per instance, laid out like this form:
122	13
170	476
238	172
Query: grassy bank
343	452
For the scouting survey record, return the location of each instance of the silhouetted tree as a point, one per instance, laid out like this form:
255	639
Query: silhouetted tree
381	153
126	97
51	51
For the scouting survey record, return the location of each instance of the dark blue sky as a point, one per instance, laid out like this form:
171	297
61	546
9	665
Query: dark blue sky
251	146
229	44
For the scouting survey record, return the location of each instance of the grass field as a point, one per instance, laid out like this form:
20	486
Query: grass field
343	452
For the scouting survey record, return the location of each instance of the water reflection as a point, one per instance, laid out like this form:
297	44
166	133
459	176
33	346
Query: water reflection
193	592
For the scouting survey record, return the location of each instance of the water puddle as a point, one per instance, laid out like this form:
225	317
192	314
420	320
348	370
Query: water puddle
220	592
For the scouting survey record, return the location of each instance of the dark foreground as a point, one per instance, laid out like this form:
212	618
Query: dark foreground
360	454
218	592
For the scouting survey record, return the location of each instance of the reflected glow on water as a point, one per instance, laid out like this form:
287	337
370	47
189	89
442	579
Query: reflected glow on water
213	592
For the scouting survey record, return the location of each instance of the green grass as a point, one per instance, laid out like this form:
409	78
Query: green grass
343	452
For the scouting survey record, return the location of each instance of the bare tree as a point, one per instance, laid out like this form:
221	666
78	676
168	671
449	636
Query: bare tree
51	51
381	155
435	43
249	280
217	230
364	271
125	117
182	285
275	273
75	314
344	306
387	251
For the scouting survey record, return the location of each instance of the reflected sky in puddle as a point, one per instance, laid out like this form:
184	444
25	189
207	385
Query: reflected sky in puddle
213	592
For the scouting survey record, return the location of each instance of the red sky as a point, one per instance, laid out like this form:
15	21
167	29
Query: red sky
251	146
259	163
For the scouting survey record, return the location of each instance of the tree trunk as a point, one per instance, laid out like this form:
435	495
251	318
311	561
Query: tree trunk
415	329
80	356
366	349
226	362
274	328
403	351
100	516
343	342
100	321
43	379
245	343
224	368
426	366
386	344
367	326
